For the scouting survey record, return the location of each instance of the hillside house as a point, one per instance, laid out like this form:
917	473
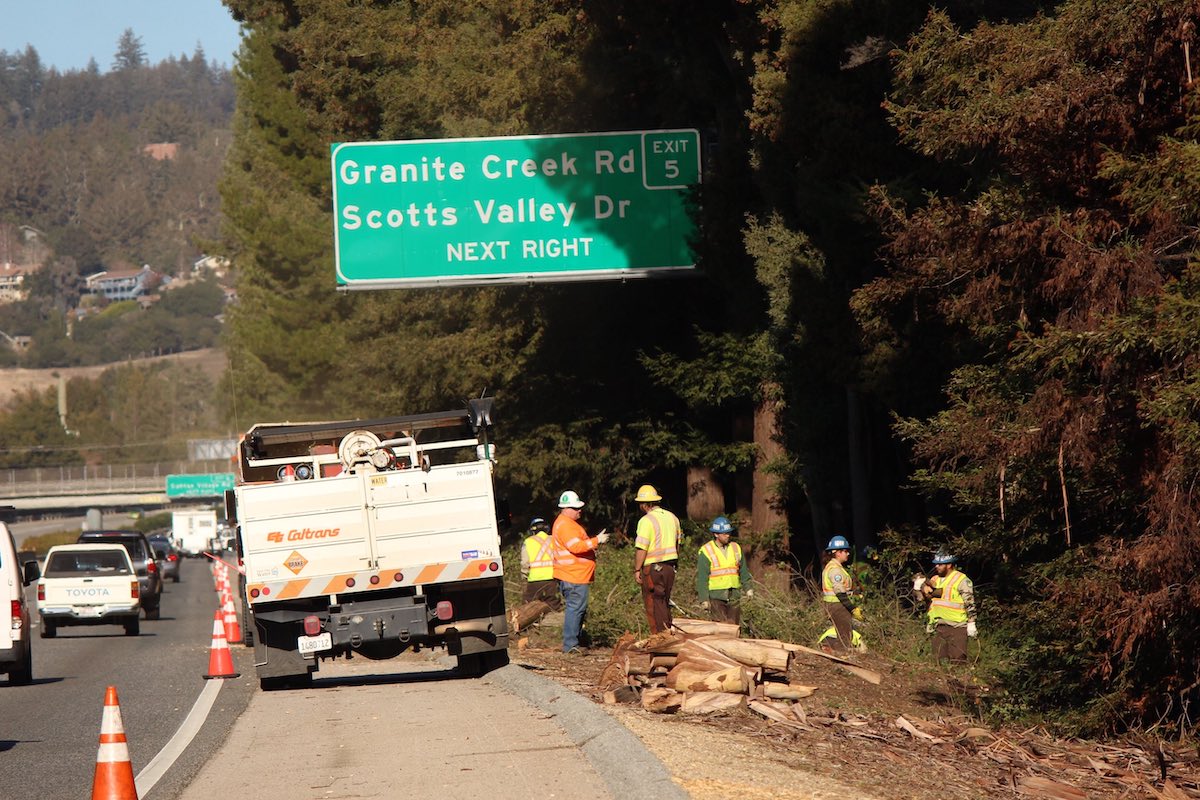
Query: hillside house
121	284
12	282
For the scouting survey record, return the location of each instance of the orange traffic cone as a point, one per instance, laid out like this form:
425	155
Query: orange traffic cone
233	631
114	772
220	660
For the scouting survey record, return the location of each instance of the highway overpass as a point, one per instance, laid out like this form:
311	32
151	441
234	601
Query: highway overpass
37	490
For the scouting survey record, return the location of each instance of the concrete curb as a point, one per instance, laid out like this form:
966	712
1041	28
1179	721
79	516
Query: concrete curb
627	767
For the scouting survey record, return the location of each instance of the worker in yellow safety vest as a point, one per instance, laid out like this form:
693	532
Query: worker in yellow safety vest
839	595
721	572
537	565
951	596
655	553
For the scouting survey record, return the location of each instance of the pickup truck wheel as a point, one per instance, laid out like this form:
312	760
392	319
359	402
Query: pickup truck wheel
132	627
23	675
48	630
153	613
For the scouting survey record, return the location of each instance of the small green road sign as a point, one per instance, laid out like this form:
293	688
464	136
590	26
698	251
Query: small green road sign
438	212
212	484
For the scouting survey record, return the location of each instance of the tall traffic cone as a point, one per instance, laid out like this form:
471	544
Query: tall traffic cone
220	660
233	631
114	772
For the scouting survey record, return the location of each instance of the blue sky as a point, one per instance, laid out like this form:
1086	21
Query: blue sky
66	33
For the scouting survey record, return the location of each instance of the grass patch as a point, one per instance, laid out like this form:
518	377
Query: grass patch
43	542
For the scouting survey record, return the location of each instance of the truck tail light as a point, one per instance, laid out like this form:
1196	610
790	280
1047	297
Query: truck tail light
16	613
312	625
133	590
42	592
495	565
151	567
445	610
172	557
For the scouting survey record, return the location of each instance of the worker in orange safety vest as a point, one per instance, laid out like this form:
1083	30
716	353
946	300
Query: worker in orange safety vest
574	566
537	565
655	555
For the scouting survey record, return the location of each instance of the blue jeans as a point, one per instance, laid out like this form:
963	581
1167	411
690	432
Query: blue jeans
576	597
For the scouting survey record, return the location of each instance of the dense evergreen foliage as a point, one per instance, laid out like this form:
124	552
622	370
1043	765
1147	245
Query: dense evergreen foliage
948	248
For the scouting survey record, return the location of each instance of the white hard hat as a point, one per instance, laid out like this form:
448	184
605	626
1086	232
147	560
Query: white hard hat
569	499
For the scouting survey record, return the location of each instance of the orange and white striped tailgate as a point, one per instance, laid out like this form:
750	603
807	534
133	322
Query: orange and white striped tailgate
373	580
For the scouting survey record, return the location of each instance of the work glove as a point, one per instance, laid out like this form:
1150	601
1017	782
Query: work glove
602	536
972	631
918	583
857	613
749	593
930	627
704	604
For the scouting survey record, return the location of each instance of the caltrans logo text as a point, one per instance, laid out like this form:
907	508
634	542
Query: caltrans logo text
302	534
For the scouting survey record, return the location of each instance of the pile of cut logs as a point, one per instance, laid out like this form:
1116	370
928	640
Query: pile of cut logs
701	667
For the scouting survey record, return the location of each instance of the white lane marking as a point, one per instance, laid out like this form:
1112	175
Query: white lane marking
159	765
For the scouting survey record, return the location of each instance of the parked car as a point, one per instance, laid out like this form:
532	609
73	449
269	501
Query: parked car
88	584
167	556
16	652
142	554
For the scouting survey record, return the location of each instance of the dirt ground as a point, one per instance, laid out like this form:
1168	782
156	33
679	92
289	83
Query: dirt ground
854	745
15	381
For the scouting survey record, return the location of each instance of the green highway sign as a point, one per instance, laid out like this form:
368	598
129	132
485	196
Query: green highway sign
587	206
205	485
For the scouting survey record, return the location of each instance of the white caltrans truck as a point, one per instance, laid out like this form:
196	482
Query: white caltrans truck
193	529
370	537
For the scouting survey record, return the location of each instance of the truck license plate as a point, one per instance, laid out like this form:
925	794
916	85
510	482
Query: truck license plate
87	611
314	644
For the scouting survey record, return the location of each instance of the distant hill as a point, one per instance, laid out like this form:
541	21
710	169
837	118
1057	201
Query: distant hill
13	381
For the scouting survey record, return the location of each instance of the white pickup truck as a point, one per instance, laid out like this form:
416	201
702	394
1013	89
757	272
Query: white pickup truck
88	584
370	537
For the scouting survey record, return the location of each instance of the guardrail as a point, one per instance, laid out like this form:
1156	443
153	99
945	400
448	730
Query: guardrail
102	479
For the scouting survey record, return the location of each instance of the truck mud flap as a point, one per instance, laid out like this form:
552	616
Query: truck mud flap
475	635
275	653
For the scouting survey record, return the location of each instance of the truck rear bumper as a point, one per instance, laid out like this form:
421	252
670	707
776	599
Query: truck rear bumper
111	615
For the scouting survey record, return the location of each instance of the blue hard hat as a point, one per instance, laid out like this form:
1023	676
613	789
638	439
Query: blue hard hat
838	543
942	557
721	525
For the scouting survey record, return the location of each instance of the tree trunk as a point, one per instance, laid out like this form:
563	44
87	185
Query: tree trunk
766	513
705	499
858	459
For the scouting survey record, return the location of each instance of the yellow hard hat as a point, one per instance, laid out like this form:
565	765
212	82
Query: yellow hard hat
647	494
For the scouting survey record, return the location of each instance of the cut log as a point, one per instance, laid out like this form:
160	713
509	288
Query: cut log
787	691
752	654
662	701
637	663
704	627
662	662
868	675
730	679
622	694
665	643
777	713
710	702
525	615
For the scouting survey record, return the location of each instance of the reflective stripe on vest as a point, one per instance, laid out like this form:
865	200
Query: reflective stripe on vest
828	594
950	606
664	542
540	548
725	565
